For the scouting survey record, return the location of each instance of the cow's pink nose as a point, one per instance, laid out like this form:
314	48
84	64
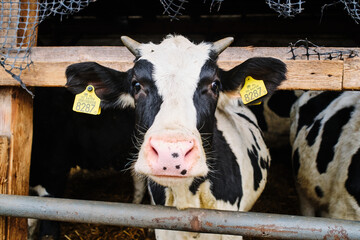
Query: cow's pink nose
171	157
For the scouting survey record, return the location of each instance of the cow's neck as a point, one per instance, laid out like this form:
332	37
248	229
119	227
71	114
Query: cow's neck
182	197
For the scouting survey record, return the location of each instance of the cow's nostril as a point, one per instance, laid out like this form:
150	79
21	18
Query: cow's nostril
188	152
183	172
154	151
164	168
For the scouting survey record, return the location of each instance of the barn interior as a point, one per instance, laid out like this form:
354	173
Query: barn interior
251	23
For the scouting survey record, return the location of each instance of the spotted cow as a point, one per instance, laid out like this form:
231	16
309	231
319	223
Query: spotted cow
325	133
198	147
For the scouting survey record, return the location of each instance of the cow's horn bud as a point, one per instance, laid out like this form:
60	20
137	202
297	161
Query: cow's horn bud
131	44
222	44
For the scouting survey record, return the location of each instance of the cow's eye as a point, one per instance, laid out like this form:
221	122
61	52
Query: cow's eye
136	86
215	86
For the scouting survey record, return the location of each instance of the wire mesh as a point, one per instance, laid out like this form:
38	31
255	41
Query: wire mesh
174	8
312	50
286	8
353	8
19	21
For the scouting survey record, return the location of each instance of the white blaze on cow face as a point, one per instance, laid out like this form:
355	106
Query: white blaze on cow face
172	146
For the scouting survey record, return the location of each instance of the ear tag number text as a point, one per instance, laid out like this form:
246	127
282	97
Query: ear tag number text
253	89
87	102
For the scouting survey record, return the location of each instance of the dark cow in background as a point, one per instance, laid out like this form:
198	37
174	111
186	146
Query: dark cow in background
64	139
198	147
325	134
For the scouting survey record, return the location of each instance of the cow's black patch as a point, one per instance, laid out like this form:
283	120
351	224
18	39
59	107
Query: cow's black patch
314	106
296	162
205	100
319	192
352	183
225	181
249	120
313	133
272	71
48	229
255	140
258	110
264	163
281	102
148	104
157	192
196	183
254	157
331	133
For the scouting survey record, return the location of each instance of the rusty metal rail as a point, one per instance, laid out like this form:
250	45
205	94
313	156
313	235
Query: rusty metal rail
195	220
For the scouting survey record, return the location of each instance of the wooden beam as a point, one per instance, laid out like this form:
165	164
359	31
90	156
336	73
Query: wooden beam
50	64
4	168
16	116
351	74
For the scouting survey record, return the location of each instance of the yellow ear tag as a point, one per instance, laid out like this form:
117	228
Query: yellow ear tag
258	103
253	89
87	102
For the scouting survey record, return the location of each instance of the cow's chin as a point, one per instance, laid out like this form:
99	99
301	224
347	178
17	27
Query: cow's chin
171	181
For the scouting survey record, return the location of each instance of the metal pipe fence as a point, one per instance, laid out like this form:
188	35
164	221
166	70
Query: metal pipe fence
194	220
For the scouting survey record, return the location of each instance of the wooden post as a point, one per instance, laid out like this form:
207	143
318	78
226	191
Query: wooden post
16	119
4	168
16	116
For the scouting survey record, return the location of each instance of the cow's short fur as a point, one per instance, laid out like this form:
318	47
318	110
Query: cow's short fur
325	134
218	158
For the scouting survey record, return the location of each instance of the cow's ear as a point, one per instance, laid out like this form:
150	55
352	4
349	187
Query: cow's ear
111	86
270	70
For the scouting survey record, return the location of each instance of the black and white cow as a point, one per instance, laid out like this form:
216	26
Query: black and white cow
198	147
325	134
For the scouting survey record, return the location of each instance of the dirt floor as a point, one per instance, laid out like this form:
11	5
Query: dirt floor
279	196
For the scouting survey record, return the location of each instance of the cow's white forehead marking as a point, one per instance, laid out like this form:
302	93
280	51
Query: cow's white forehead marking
177	64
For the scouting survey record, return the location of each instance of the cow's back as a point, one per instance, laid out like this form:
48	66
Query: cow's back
325	135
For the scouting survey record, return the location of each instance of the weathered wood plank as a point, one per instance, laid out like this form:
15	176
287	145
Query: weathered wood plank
303	74
50	64
4	169
16	116
351	74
